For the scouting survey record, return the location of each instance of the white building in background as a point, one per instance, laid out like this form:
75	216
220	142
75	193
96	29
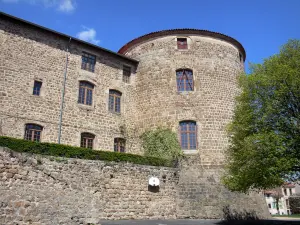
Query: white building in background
283	193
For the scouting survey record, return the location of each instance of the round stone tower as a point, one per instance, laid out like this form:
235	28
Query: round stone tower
187	80
187	75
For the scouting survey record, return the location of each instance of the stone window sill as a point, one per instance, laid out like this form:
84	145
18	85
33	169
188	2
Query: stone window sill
115	113
185	92
86	107
190	151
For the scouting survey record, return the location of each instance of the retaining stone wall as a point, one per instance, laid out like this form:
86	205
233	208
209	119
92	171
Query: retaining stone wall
47	190
51	190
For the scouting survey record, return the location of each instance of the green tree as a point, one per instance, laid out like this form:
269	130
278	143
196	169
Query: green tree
161	143
265	132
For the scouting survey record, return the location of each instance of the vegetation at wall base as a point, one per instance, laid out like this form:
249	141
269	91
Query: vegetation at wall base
265	133
59	150
161	142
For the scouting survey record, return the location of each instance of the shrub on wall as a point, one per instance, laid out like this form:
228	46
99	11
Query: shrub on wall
60	150
162	143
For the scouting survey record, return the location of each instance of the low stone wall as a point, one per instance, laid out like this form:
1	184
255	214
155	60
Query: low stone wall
48	190
201	194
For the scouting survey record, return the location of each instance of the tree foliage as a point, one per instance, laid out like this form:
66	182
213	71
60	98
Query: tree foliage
265	132
161	143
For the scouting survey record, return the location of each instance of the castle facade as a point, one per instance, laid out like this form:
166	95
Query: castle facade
56	88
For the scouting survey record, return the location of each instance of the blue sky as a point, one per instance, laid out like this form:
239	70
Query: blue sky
262	26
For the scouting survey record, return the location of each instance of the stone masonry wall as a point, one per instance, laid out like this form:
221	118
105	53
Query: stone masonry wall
28	54
201	194
216	64
51	190
46	190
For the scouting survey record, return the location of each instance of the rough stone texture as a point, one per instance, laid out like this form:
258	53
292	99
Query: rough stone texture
29	54
47	190
60	191
150	100
215	64
201	195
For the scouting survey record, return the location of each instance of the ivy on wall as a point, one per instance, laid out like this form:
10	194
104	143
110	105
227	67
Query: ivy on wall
162	143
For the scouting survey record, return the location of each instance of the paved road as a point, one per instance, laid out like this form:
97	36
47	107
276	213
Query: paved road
201	222
161	222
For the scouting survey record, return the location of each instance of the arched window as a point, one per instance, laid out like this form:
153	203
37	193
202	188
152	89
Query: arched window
85	93
114	101
185	80
33	132
188	135
119	144
87	140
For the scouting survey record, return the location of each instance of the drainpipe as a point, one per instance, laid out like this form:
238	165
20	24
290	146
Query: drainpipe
63	93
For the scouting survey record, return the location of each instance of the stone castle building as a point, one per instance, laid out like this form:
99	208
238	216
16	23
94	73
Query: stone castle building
183	79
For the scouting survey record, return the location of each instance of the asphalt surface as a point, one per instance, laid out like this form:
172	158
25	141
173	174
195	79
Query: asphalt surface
274	221
161	222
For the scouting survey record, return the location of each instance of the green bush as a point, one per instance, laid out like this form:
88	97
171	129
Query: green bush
162	143
59	150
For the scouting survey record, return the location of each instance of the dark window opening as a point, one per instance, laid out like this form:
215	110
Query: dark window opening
87	140
33	132
114	101
119	145
126	74
182	43
85	93
188	135
37	87
185	81
241	57
88	62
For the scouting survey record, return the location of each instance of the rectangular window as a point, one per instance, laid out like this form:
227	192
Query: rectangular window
126	74
37	87
33	132
119	145
88	62
188	135
185	80
182	43
87	140
85	93
114	101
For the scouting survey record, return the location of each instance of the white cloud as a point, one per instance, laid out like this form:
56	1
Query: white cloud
66	6
89	35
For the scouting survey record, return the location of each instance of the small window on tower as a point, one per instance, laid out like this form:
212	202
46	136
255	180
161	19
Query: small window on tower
37	87
241	57
182	43
126	74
